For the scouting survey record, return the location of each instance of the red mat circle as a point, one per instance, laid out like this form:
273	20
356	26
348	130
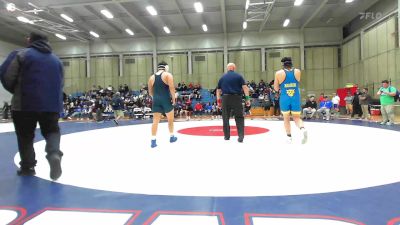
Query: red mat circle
218	131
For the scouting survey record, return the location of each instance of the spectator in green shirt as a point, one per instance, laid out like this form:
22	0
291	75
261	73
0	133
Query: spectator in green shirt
387	94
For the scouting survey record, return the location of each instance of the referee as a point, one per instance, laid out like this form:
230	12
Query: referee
230	87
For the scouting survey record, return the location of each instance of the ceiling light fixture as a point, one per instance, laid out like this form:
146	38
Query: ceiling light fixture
24	20
31	4
167	30
94	34
61	36
11	7
298	2
286	23
205	28
152	10
198	7
129	31
107	13
67	18
349	1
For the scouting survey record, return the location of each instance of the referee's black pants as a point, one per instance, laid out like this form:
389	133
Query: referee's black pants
233	103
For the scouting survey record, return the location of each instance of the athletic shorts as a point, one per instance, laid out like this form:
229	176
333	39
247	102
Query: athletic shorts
162	107
290	105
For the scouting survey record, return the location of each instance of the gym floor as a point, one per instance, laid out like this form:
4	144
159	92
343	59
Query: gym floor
346	174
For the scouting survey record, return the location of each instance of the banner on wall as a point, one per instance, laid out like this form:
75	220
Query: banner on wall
342	93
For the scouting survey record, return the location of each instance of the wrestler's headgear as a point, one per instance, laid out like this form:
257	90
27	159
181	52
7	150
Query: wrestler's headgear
163	66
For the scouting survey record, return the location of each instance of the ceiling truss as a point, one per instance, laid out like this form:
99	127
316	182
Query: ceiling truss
258	11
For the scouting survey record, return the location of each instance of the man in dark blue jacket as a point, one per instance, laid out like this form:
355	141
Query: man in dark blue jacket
34	75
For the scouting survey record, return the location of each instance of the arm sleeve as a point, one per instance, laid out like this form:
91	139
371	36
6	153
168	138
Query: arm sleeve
9	71
62	75
242	80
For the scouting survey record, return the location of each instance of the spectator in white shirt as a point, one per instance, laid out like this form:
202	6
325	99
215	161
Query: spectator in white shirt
335	103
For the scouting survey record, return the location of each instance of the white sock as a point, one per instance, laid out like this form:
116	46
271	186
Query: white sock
172	134
153	138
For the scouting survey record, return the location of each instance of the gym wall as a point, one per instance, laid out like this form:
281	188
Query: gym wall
320	74
5	49
379	59
328	64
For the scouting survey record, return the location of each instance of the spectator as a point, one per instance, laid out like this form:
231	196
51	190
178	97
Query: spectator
121	89
277	107
262	84
365	100
267	102
117	106
196	94
86	111
349	107
324	110
77	112
184	87
34	75
178	108
198	109
271	83
126	89
387	94
335	103
6	110
109	88
214	111
310	108
246	109
321	98
213	92
253	84
356	104
208	108
188	111
98	109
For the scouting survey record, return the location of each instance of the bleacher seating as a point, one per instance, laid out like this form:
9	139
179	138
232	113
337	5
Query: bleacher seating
136	93
138	113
